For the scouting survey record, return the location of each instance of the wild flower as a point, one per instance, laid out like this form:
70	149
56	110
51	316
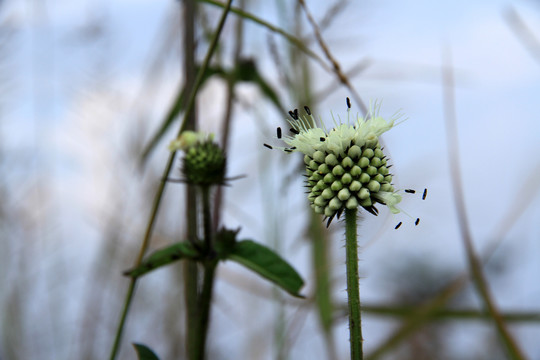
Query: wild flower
345	166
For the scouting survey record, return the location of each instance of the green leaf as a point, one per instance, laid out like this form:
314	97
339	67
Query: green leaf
144	352
267	264
164	257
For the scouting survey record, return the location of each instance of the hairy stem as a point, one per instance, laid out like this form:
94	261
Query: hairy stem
353	289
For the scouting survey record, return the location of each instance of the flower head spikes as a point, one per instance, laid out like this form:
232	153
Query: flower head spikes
345	166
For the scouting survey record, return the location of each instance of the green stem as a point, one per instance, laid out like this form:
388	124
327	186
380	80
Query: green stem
190	272
353	288
205	301
208	281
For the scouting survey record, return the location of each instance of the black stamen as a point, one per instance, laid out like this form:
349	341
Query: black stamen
287	150
293	148
424	194
268	146
307	110
322	139
292	114
294	131
398	225
348	103
279	133
417	221
410	191
296	113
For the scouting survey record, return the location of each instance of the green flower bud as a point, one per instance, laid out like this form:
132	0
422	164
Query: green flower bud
371	142
364	178
378	153
364	194
383	170
338	170
335	204
374	186
343	194
388	178
318	209
375	161
323	169
386	187
346	179
307	159
329	178
313	165
352	203
355	186
327	194
328	211
368	153
356	171
364	162
336	186
320	201
331	160
319	156
371	170
347	163
378	178
366	202
354	151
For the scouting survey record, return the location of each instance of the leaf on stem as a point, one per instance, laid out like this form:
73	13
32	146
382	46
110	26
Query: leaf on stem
164	257
267	264
144	352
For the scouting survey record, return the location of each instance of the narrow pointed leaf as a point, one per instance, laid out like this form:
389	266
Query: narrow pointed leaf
144	352
267	264
164	257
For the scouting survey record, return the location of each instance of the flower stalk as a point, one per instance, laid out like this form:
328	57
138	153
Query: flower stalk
353	287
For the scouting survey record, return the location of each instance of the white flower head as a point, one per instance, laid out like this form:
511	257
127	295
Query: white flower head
345	165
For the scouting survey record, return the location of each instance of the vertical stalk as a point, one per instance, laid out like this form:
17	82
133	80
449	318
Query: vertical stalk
208	281
190	268
353	288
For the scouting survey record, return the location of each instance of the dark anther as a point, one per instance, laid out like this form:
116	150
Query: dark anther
398	225
292	114
322	139
296	114
287	150
268	146
424	194
293	148
294	131
410	191
279	133
307	110
417	221
348	103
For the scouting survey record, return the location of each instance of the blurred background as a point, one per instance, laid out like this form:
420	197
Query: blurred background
86	88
